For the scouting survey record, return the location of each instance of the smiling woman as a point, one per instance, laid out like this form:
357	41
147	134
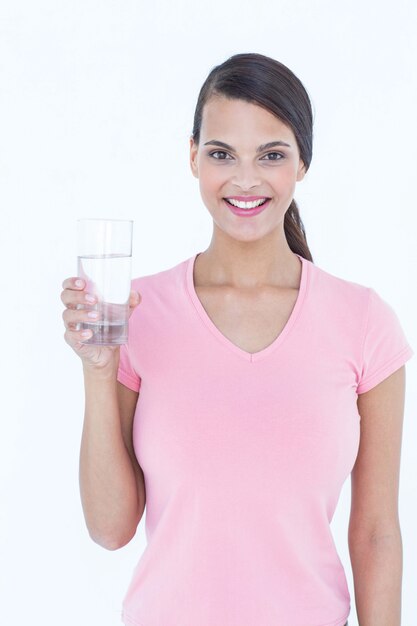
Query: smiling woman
253	383
247	79
229	178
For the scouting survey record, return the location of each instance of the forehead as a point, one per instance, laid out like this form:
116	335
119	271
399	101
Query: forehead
233	118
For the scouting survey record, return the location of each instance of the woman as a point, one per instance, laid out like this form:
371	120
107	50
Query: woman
263	383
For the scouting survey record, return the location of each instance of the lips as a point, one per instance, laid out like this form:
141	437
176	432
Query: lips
246	198
247	212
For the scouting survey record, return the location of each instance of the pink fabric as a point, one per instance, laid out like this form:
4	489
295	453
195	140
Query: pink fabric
244	455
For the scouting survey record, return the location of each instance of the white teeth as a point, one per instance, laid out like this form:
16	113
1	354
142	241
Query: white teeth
246	205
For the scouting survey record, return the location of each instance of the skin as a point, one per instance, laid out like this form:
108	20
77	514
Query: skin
375	542
249	269
246	251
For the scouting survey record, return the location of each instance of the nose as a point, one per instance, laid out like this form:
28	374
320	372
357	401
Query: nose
245	177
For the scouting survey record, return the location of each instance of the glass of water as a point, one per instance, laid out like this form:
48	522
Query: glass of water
104	263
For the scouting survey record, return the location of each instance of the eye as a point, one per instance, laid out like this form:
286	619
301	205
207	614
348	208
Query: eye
217	152
221	152
281	156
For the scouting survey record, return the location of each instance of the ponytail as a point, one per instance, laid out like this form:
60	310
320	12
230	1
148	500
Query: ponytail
295	232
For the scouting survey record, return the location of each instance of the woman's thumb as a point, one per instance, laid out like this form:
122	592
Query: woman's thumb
135	298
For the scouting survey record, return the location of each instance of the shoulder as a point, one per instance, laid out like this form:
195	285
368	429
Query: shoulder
162	295
163	280
337	297
336	284
354	303
360	312
354	296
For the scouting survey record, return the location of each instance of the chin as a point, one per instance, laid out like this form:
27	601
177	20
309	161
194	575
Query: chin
245	235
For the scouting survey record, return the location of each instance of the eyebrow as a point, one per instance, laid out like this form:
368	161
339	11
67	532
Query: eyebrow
264	146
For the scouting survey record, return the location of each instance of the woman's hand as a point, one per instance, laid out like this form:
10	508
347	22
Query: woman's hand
93	357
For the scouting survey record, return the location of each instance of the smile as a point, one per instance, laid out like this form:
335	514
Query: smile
247	209
246	205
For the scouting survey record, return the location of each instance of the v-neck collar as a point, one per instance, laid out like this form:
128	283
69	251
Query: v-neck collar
248	356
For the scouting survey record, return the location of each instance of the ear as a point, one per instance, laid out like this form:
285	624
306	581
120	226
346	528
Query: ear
301	172
193	157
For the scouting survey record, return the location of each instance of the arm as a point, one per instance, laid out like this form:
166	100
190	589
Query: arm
111	481
374	536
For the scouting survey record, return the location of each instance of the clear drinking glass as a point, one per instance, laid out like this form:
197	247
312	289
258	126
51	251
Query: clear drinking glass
104	262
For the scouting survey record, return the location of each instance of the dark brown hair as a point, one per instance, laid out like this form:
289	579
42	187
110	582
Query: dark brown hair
268	83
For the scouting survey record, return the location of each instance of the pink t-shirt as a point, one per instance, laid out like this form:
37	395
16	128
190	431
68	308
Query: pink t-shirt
244	455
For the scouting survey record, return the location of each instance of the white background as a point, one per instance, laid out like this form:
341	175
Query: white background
96	108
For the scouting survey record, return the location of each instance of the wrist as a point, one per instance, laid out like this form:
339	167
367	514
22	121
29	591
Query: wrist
102	372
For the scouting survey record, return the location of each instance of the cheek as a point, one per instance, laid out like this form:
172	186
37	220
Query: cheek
285	175
283	182
212	178
212	186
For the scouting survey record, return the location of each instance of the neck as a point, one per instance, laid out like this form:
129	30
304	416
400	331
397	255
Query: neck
252	264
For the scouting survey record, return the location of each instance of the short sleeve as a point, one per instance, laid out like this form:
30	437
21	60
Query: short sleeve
126	374
385	347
